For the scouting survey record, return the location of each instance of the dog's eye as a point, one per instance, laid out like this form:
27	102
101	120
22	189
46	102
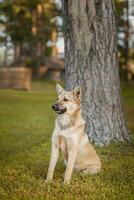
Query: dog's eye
65	99
57	98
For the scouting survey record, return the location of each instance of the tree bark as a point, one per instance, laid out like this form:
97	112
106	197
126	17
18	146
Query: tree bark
91	60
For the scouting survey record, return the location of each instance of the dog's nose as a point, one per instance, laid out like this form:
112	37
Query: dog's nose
54	106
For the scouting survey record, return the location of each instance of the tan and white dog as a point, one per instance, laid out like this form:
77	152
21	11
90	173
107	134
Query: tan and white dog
69	136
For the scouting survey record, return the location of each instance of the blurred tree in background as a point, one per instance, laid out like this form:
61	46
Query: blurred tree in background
125	33
28	25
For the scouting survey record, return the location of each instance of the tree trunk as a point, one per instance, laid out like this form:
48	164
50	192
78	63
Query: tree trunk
17	53
91	60
5	54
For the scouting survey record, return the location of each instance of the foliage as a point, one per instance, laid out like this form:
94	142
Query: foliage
120	5
124	30
26	125
28	23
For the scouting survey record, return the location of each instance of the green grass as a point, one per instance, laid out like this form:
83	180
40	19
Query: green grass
26	124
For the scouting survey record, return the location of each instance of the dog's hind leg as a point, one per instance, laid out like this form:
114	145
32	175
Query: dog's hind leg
92	169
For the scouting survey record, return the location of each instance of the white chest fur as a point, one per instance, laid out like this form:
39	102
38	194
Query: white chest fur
69	129
64	122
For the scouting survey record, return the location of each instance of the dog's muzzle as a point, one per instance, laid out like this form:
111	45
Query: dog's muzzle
57	109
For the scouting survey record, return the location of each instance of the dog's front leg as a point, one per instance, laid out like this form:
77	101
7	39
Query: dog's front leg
70	164
53	161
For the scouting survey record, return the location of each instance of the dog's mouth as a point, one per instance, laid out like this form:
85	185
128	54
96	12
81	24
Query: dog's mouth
62	111
57	109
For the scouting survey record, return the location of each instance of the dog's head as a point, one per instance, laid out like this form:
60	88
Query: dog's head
67	101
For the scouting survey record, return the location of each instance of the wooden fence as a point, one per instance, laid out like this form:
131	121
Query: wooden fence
16	78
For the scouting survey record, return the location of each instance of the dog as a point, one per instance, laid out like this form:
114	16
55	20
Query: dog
69	136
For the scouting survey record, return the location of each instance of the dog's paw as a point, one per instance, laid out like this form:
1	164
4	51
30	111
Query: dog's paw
48	180
66	182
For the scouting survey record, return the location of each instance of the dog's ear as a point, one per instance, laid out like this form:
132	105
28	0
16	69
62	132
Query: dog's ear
77	93
59	89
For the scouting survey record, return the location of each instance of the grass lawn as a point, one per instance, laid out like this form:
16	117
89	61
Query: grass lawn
26	124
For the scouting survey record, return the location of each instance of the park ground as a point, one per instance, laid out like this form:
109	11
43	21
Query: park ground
26	124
